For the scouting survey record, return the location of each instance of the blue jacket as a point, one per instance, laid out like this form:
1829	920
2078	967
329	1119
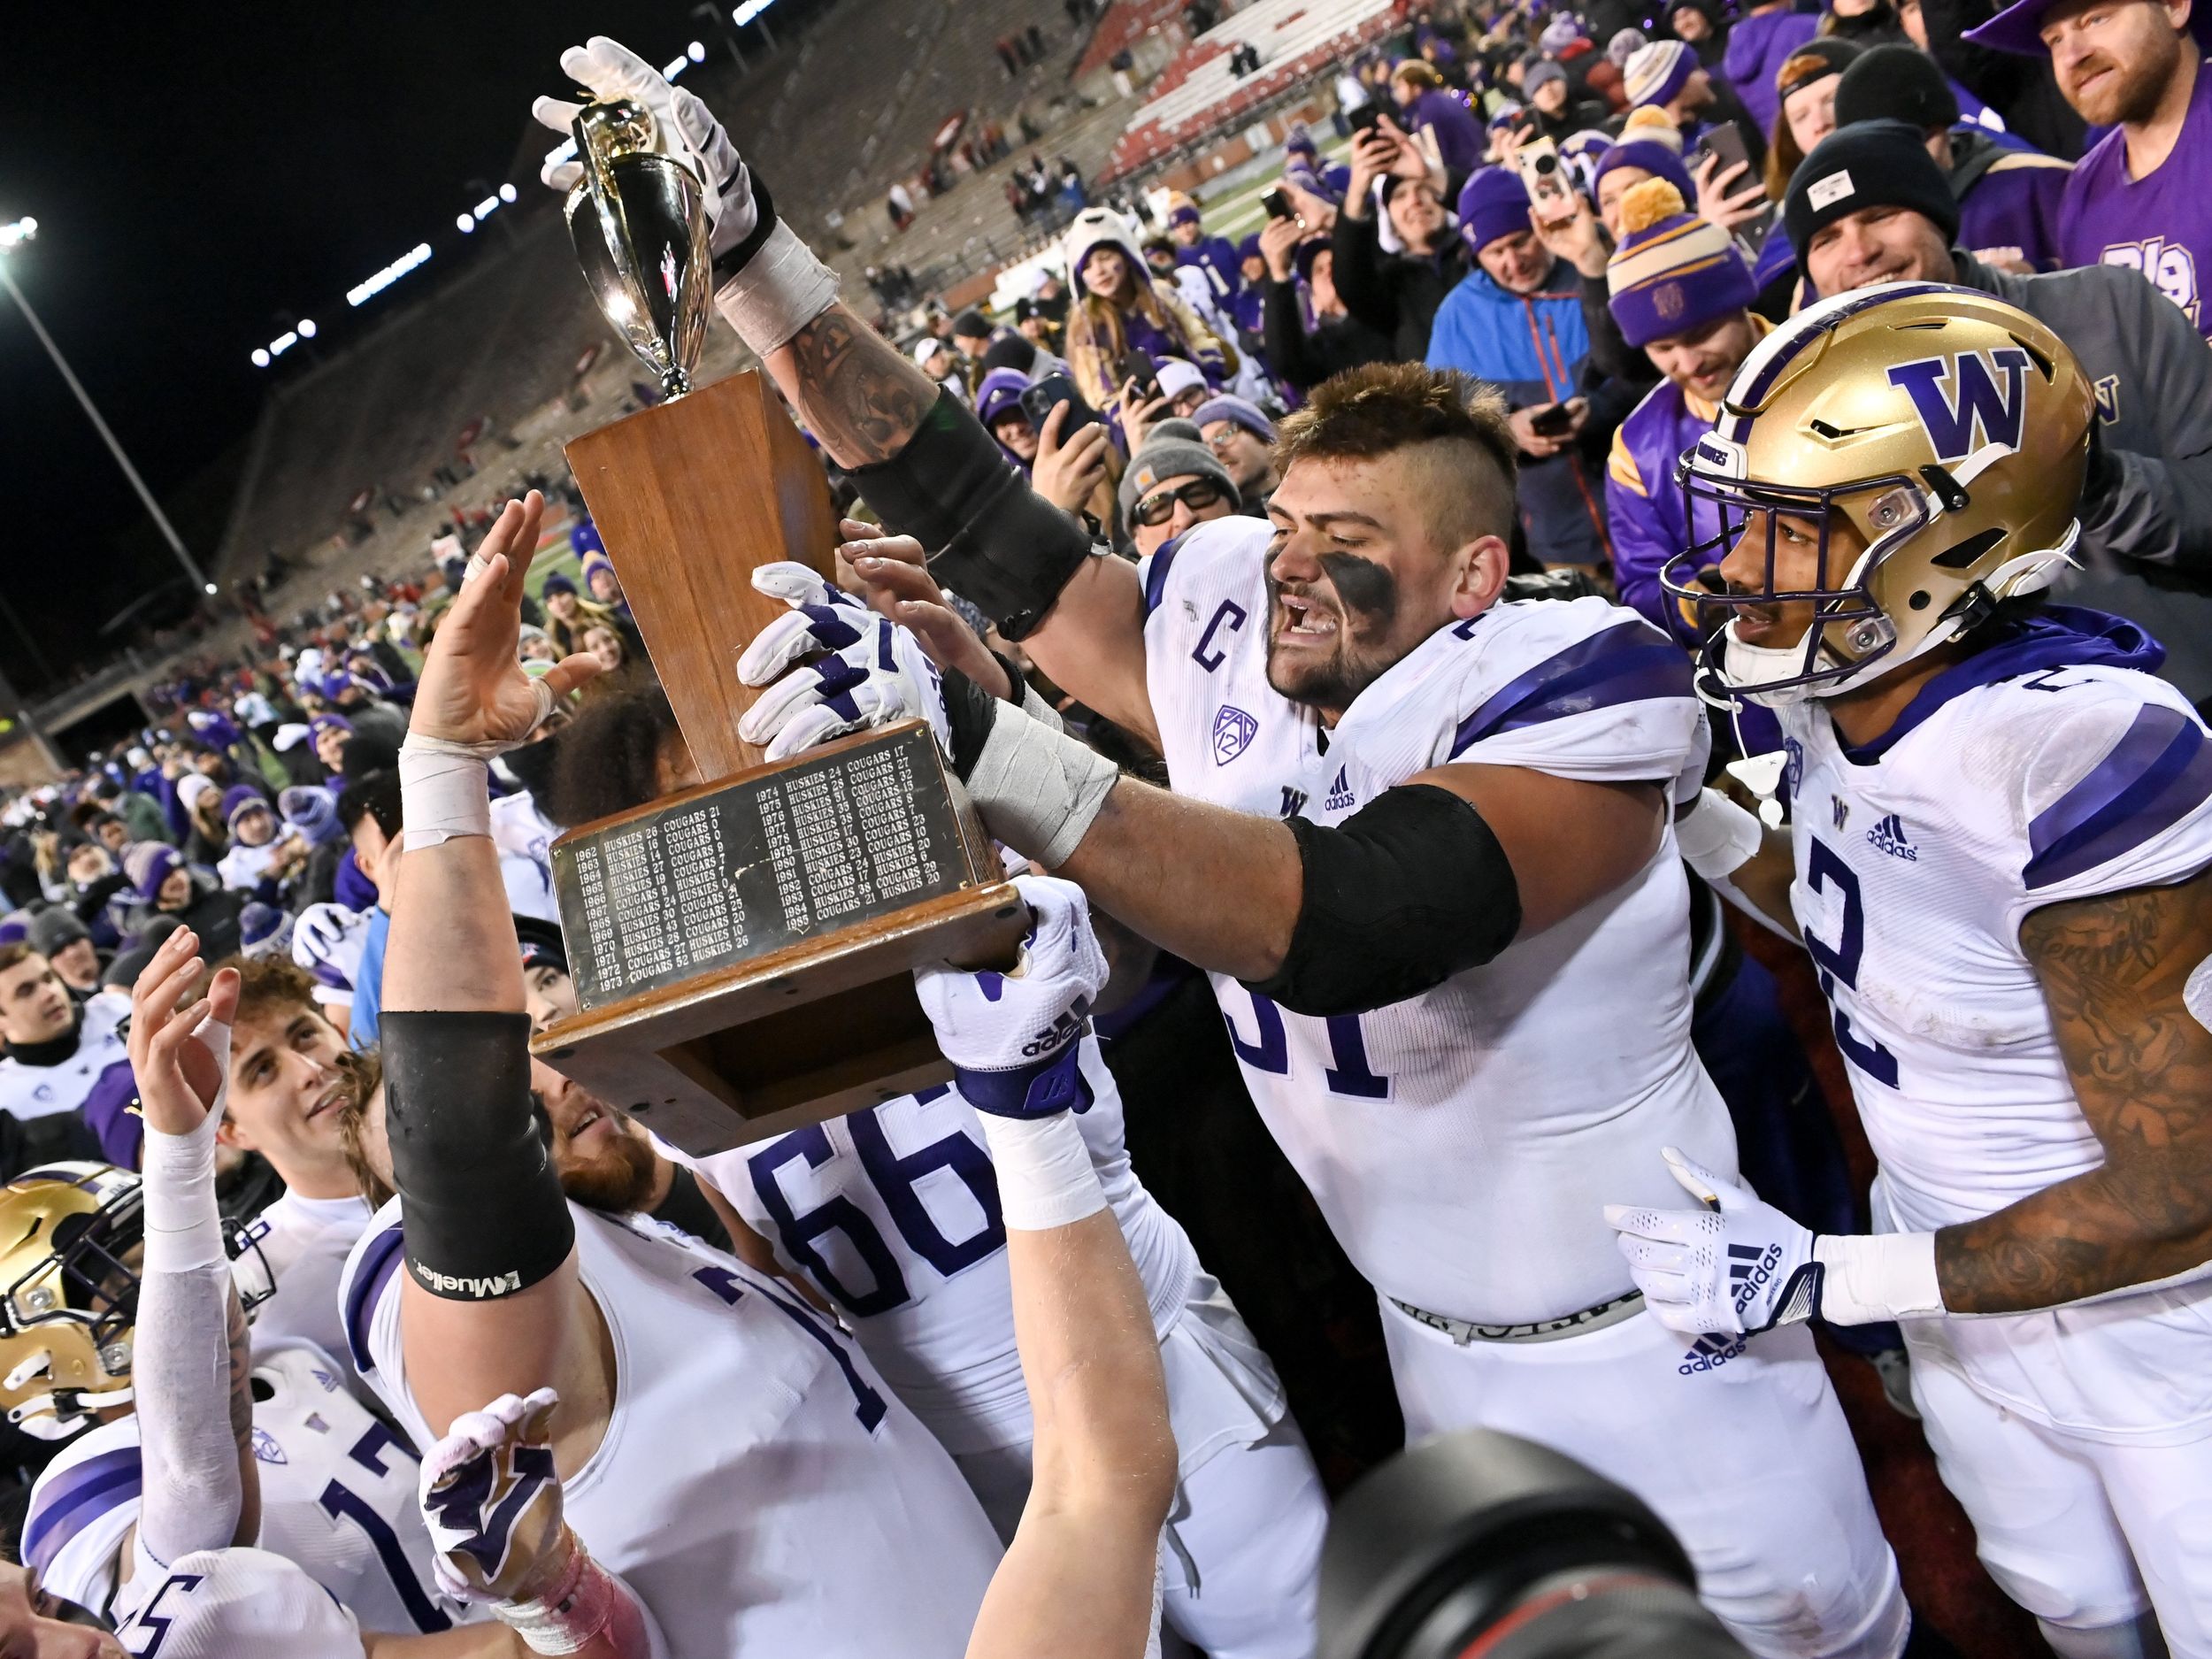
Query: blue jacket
1533	349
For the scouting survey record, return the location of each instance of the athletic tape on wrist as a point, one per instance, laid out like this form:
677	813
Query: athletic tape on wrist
571	1616
1718	837
184	1228
1045	1177
1873	1277
441	795
1037	788
780	290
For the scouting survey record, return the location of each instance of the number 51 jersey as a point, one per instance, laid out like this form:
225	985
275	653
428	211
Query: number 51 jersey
2022	777
1463	1143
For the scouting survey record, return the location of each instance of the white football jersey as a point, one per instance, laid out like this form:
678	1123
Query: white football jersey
38	1091
286	1263
759	1485
1917	860
893	1213
1463	1143
337	1497
234	1604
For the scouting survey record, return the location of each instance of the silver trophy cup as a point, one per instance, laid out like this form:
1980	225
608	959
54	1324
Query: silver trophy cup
639	223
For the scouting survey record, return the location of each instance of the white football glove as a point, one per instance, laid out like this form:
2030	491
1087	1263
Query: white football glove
609	69
1013	1038
327	941
492	1500
1741	1268
863	670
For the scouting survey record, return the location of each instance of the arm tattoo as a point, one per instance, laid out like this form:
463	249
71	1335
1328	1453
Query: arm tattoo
240	1347
856	391
2113	969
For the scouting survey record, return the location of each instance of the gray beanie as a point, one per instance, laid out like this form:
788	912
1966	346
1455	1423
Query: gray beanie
55	929
1173	449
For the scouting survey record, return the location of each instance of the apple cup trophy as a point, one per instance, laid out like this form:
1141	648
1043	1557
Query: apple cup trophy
742	951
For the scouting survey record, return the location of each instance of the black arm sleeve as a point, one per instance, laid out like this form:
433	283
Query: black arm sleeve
1289	353
479	1200
1408	891
1609	351
989	537
1360	282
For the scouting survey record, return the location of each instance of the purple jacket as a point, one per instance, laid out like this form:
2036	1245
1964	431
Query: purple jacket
1644	505
1217	256
2011	197
1757	48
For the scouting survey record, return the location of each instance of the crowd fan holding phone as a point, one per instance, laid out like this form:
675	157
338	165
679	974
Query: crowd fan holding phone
1504	363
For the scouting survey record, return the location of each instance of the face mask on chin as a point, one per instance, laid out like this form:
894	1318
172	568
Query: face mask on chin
1752	669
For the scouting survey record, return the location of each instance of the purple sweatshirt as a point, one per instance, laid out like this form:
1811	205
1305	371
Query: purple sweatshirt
2160	224
1757	48
1460	139
1644	506
2012	197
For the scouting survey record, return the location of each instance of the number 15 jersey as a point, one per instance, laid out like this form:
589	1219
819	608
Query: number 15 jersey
1462	1142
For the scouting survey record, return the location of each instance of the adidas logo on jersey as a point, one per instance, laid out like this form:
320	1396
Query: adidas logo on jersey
1889	836
1710	1353
1339	795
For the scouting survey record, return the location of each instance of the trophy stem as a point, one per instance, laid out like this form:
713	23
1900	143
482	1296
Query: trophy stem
675	383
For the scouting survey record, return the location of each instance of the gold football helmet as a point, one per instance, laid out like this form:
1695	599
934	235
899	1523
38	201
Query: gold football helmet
69	1248
1950	430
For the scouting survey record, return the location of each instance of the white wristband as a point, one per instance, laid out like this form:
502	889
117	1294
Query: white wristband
184	1229
1718	836
1872	1277
782	288
1045	1177
444	791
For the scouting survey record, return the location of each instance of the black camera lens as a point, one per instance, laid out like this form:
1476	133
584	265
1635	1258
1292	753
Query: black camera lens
1483	1546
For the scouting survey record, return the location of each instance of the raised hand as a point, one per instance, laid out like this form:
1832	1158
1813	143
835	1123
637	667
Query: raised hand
1012	1037
607	69
831	666
472	690
895	580
1069	468
181	1059
493	1502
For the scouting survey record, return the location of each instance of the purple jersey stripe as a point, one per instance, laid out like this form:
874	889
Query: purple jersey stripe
379	1261
2158	773
92	1489
1631	662
1156	574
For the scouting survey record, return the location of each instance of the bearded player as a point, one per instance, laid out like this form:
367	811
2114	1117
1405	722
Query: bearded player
1996	858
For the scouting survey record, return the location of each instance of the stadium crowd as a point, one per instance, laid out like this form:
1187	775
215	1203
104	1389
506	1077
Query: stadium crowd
1526	295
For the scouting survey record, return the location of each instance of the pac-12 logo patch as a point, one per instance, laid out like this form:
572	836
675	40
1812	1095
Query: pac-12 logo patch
1233	731
265	1449
1984	391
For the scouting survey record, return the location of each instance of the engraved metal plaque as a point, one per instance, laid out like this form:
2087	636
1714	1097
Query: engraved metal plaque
748	867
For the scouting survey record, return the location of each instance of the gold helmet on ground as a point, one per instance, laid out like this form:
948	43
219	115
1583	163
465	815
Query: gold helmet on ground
1949	430
69	1244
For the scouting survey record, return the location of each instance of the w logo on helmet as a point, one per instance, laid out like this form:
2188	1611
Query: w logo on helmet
1953	395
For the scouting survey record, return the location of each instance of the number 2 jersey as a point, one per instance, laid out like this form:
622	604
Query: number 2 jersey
2047	768
1463	1143
337	1497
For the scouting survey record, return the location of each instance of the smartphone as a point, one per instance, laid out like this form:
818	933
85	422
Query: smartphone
1550	191
1039	400
1278	206
1364	118
1139	366
1556	422
1726	145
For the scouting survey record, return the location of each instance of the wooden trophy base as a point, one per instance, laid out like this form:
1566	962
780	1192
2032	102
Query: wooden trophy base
743	952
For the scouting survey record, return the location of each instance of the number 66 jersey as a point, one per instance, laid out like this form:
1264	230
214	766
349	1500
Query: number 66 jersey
1462	1142
2042	769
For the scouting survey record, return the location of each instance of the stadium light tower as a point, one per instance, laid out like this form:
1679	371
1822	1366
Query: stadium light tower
13	236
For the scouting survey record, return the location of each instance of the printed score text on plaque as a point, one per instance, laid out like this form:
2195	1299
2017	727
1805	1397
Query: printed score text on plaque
754	866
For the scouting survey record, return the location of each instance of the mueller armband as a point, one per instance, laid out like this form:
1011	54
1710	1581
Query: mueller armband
1408	891
480	1200
990	537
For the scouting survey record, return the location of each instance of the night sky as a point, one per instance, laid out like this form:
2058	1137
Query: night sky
194	171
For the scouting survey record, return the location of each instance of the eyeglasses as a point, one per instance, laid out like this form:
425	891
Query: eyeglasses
1198	494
